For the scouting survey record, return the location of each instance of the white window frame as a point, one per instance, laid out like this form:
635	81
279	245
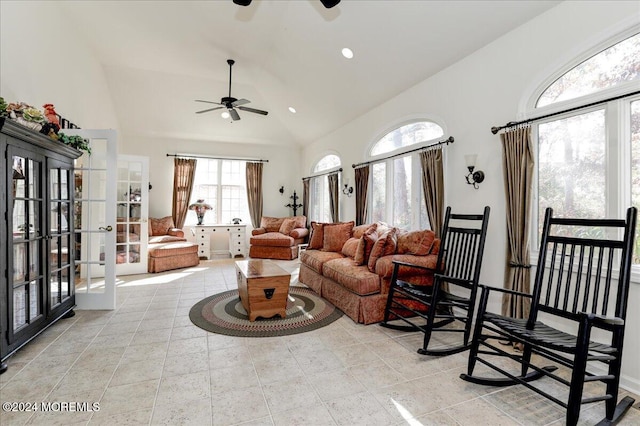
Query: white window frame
192	220
319	178
417	193
617	134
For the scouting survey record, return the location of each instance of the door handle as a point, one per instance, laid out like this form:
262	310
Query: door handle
108	228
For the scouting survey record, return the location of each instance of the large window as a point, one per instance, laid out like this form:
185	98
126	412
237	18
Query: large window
222	184
320	207
588	160
396	183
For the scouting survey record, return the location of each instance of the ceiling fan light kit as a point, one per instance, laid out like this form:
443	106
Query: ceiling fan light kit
231	103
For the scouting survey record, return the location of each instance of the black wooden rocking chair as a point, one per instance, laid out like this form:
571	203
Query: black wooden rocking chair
430	308
581	281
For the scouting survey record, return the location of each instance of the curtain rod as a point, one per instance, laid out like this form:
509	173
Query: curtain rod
324	173
366	163
510	124
250	160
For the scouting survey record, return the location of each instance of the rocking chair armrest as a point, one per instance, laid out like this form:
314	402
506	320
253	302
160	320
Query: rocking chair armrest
452	280
504	290
603	319
398	263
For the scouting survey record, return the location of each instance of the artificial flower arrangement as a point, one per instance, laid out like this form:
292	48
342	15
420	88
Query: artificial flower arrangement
47	122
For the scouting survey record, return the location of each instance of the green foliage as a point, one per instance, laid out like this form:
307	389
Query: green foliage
76	142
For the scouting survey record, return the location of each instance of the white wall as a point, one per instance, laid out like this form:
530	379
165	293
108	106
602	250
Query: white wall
483	90
283	169
44	61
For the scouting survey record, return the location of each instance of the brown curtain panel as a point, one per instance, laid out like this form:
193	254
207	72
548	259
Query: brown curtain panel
517	164
305	198
184	171
333	196
362	187
254	192
433	187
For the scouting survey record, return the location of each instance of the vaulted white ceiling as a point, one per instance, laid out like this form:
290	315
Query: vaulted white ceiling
159	56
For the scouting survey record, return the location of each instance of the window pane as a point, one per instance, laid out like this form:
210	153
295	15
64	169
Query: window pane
572	167
378	192
615	65
327	162
635	170
407	135
402	192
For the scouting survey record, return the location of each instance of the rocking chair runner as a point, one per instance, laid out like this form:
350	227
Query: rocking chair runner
579	284
459	262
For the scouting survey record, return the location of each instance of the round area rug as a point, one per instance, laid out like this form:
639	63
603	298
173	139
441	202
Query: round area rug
223	313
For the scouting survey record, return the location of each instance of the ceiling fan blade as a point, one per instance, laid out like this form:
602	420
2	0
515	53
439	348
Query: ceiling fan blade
207	110
240	102
208	102
257	111
234	114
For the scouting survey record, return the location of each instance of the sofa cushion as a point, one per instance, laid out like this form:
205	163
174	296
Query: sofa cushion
288	225
416	242
301	221
357	279
385	245
366	244
299	233
349	248
165	239
274	239
384	265
335	235
160	226
314	259
271	224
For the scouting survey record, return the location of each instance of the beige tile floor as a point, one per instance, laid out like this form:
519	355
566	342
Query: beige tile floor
145	363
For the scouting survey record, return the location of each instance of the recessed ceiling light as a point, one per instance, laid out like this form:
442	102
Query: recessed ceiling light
347	53
225	114
292	109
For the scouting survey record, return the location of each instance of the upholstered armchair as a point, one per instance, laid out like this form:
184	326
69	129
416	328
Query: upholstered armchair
168	249
278	238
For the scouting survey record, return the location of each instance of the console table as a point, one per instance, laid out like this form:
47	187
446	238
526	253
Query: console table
237	239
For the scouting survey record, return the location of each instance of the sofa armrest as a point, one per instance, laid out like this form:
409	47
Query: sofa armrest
259	231
411	265
299	233
175	232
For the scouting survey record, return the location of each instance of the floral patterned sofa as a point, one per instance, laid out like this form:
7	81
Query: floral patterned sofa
278	237
351	266
168	249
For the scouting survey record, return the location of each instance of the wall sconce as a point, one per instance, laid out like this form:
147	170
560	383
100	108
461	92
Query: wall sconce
347	190
473	178
281	190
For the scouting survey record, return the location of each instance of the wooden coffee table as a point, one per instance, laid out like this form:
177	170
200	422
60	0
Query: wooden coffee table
263	287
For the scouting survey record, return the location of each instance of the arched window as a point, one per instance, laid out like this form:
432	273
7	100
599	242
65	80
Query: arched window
319	204
588	160
326	163
396	183
618	64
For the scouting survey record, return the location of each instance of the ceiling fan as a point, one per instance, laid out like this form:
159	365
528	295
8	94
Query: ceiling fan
231	103
326	3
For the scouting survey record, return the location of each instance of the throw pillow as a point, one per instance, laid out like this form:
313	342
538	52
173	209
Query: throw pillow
335	235
365	245
385	245
317	236
349	248
271	224
416	242
287	226
161	226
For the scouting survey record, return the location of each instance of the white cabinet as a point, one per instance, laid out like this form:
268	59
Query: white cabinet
237	235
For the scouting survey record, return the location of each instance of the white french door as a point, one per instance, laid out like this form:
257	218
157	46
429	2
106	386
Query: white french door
132	207
95	220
